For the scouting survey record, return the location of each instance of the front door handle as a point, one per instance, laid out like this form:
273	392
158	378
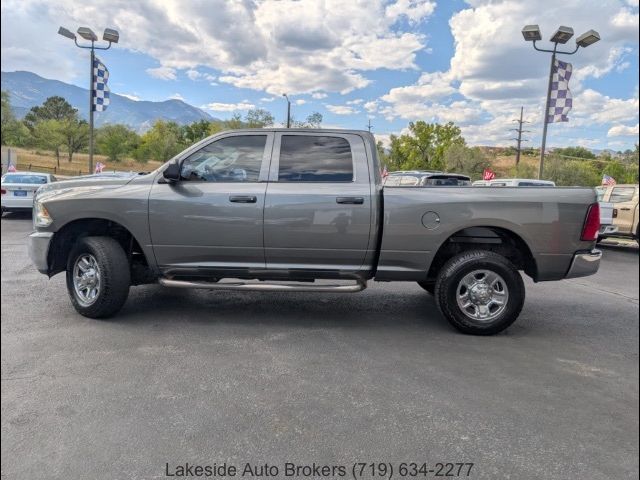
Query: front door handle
350	200
243	199
626	209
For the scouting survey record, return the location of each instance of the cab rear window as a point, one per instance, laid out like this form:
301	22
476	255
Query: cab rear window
13	178
622	194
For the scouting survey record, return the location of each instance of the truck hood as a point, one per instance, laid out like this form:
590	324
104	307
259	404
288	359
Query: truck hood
86	184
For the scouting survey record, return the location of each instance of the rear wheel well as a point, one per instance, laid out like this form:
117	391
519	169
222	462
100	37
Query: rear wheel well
499	240
65	238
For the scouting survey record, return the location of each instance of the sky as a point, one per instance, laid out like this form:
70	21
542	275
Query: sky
387	62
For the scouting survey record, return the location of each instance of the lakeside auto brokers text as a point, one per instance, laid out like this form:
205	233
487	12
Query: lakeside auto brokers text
357	470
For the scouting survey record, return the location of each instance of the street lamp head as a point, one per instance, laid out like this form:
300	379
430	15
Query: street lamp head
531	33
588	38
110	35
66	33
562	35
87	34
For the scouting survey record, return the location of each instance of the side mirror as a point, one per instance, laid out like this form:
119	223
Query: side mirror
171	174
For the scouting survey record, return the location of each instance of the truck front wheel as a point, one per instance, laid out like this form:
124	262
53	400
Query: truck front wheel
98	277
479	292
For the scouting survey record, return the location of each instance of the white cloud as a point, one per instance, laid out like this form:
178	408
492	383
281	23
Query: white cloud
356	101
371	106
413	10
196	75
300	101
319	95
496	72
341	109
288	46
267	99
176	96
228	107
162	73
130	96
624	131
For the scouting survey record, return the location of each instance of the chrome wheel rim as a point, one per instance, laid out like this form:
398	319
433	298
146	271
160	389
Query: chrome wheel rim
482	295
86	279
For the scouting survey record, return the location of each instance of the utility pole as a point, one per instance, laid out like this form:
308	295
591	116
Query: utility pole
369	126
519	139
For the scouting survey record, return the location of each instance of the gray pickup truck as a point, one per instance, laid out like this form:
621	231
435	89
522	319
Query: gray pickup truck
288	210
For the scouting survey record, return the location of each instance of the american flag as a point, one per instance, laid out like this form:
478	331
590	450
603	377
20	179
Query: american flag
561	100
99	167
488	174
608	181
385	172
100	89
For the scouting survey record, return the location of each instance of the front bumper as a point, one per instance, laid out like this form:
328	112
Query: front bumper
584	264
39	250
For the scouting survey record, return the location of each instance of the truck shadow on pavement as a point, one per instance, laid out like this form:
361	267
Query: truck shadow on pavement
155	304
373	310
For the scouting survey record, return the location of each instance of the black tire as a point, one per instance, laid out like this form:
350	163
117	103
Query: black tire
449	280
428	286
114	273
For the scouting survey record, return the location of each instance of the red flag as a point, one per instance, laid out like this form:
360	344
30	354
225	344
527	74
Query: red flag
99	167
488	174
385	172
11	168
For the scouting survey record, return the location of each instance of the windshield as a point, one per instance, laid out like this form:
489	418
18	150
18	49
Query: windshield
18	178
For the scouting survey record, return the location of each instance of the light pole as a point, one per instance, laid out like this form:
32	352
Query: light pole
109	35
288	110
531	33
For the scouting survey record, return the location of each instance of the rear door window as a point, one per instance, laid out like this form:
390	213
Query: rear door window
311	158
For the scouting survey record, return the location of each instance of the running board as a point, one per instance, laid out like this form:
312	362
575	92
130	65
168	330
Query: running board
265	287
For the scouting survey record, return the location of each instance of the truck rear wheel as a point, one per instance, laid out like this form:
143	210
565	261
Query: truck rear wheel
98	277
479	292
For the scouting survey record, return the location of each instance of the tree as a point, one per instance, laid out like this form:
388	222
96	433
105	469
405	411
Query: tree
314	120
115	141
75	134
196	131
578	152
426	143
461	159
47	134
53	108
571	172
13	131
160	143
396	157
57	109
259	118
234	123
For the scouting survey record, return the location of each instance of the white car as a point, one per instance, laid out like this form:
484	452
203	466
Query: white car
520	182
18	189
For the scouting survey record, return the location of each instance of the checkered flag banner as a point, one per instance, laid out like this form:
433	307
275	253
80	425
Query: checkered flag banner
100	89
561	100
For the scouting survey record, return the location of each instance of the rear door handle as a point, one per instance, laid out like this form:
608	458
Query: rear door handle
350	200
243	199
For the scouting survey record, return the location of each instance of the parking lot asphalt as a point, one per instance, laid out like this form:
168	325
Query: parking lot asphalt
212	377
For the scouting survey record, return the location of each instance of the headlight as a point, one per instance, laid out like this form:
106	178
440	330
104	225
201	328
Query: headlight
41	217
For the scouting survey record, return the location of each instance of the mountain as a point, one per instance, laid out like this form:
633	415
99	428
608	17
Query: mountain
27	90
